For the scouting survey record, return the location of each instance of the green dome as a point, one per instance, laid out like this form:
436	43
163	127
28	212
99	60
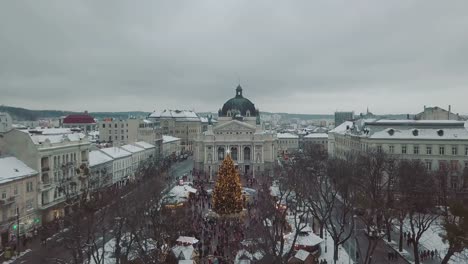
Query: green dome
238	104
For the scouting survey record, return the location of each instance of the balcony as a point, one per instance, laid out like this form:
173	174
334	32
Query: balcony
44	186
7	201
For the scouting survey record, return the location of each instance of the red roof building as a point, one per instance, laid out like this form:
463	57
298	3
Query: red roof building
83	121
79	119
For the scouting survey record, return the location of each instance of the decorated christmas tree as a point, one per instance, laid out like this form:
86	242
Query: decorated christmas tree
227	194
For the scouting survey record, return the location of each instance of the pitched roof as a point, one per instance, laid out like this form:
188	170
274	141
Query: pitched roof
286	135
79	119
144	144
132	148
12	169
116	152
316	135
167	139
97	157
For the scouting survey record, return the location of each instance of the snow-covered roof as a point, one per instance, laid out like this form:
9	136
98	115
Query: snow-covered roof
12	169
55	138
205	120
182	115
179	194
132	148
343	127
97	157
405	129
187	240
183	252
50	131
167	139
317	135
308	239
144	144
417	122
301	254
185	261
286	135
425	133
116	152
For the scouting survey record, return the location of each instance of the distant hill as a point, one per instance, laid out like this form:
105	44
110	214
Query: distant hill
22	114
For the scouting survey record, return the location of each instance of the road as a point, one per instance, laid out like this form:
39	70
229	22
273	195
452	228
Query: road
55	244
380	254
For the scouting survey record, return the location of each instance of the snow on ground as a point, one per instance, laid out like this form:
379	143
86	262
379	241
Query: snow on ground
343	257
327	243
14	258
431	240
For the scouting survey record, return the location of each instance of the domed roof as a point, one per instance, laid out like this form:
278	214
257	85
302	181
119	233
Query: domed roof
238	104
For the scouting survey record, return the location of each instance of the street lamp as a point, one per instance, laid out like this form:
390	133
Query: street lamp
17	231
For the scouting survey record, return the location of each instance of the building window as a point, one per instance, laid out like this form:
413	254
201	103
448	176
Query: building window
391	149
103	125
122	137
116	138
454	150
29	204
15	192
466	151
3	195
415	149
122	131
379	149
429	150
29	186
403	149
115	125
441	150
429	165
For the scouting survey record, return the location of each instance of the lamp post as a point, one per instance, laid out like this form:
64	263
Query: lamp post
17	232
354	244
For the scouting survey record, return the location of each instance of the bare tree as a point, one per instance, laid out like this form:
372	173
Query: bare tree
370	185
418	188
275	236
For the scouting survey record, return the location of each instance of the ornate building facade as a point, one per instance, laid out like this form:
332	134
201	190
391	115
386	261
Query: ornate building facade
240	132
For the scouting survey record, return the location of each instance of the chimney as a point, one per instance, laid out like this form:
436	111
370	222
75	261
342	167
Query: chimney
424	107
450	109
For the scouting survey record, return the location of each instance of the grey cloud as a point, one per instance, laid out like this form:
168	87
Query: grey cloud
122	55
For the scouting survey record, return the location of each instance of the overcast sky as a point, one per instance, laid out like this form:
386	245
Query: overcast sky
291	56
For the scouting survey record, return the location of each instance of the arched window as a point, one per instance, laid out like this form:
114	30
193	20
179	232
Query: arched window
234	153
220	153
247	153
209	157
229	113
247	113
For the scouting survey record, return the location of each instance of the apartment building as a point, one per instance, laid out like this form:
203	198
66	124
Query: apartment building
121	165
171	146
319	139
18	184
138	156
101	169
84	121
441	144
287	143
60	157
183	124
